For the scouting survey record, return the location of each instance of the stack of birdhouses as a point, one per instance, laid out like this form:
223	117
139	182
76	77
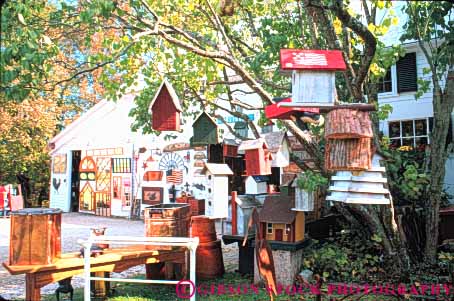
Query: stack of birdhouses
359	179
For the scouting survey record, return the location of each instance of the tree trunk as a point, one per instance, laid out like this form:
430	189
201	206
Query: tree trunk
443	106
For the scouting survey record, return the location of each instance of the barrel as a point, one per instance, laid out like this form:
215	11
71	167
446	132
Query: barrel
35	236
167	220
204	228
210	264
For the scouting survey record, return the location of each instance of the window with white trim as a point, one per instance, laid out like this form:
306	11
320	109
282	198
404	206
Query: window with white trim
269	228
413	133
401	77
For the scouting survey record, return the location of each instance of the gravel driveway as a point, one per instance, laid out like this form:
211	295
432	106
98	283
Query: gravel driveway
77	226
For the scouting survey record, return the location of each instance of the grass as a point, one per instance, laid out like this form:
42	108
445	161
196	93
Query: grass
147	292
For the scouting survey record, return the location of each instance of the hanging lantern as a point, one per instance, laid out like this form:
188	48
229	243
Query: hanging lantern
365	187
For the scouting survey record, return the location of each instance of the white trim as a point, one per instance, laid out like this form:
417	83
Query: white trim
173	95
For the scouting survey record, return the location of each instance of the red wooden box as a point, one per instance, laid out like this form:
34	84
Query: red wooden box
197	206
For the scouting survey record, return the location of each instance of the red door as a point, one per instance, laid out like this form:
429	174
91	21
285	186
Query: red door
279	234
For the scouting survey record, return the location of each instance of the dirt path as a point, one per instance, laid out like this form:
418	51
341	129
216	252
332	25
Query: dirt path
77	226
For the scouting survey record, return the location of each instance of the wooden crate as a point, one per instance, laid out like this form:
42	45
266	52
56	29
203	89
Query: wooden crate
167	220
35	236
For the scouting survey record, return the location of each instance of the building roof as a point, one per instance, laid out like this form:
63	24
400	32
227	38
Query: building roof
303	59
278	209
275	140
207	116
173	95
252	144
247	201
231	142
260	179
217	169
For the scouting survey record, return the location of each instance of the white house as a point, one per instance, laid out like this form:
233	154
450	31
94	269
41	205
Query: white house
410	121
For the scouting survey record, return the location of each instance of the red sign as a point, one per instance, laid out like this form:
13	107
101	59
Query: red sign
299	59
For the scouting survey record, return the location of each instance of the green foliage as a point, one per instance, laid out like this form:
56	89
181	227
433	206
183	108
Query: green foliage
384	110
311	181
347	259
407	174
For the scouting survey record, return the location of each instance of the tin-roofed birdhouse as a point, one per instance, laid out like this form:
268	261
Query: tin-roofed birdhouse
365	187
257	155
165	109
206	131
313	75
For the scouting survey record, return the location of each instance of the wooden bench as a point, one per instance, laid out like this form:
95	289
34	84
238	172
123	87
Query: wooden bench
112	260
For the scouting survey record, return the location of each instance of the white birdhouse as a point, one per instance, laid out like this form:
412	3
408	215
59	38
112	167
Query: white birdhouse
361	187
256	184
313	75
217	200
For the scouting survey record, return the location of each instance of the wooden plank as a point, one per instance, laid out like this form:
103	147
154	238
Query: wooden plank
382	201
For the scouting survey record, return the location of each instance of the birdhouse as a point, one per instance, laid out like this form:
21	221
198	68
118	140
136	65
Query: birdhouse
347	123
365	187
217	200
230	148
279	148
280	222
165	109
244	206
256	184
304	200
313	75
205	131
258	157
354	154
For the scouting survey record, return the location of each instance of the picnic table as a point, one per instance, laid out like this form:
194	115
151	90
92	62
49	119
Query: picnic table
111	260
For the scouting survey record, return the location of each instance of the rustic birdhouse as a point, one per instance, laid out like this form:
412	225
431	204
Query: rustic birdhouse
304	200
230	148
256	184
365	187
313	77
258	157
347	123
279	147
205	131
354	154
280	222
165	109
217	201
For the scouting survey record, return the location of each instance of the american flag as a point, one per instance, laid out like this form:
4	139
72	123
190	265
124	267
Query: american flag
174	176
309	59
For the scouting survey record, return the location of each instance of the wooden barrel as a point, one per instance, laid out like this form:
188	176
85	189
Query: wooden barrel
204	228
165	220
210	263
35	236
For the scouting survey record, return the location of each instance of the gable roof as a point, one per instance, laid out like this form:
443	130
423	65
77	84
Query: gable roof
252	144
247	201
217	169
173	95
259	179
275	140
277	209
204	113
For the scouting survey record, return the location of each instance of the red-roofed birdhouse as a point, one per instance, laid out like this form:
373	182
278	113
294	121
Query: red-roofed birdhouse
313	76
277	111
165	109
258	157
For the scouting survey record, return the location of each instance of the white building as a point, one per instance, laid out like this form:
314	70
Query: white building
411	119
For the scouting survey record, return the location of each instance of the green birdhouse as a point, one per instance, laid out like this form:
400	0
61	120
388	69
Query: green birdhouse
206	131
